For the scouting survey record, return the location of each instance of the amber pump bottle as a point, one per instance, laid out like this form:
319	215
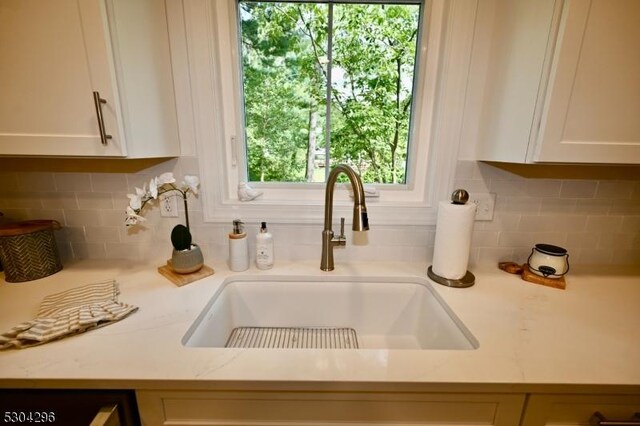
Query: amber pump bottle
238	248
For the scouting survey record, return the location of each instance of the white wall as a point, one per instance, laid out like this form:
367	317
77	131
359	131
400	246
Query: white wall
598	221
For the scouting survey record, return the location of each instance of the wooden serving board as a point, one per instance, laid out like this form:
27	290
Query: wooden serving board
527	275
184	279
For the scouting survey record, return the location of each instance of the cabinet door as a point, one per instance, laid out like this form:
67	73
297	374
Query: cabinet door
593	104
327	408
53	55
548	410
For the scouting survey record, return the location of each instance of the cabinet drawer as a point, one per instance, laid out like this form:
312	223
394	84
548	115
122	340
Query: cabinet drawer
578	409
327	408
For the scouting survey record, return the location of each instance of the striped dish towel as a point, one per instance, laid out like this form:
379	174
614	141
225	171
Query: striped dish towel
69	312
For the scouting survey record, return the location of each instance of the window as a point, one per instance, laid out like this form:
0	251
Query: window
213	57
325	84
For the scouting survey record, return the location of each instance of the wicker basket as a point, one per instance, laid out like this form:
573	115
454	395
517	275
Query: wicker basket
28	250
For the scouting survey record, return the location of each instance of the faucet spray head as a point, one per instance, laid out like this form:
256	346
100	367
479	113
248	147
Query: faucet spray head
360	218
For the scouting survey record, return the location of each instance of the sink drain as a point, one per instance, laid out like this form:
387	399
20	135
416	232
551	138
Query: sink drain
293	337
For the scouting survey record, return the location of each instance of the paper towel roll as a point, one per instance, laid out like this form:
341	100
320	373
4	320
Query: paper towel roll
453	239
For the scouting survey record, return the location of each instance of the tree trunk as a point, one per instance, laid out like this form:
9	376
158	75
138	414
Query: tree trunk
396	133
311	146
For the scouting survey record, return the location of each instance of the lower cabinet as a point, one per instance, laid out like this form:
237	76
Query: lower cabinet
69	407
327	408
560	409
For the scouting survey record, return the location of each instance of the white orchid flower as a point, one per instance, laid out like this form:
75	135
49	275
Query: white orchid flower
153	187
138	201
192	182
165	178
135	200
132	218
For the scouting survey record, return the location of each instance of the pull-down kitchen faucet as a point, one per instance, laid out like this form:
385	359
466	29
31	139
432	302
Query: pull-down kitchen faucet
360	220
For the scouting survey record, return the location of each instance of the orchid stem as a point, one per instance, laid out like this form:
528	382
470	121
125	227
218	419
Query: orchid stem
186	209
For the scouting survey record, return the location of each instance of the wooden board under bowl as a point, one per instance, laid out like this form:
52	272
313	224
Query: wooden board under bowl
526	274
184	279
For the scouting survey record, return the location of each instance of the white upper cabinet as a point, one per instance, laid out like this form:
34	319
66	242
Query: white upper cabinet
557	81
54	54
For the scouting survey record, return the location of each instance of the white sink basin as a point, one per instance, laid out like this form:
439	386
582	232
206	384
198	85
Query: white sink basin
386	313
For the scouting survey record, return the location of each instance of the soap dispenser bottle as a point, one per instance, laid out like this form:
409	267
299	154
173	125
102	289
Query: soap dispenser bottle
238	248
264	248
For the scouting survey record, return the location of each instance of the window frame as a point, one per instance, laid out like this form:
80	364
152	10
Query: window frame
211	38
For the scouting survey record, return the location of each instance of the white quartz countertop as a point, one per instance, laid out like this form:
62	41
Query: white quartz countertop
529	335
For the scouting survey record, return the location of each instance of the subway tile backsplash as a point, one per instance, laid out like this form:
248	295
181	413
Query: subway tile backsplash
598	221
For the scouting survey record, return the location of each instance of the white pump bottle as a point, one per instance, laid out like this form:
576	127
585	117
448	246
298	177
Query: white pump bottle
264	248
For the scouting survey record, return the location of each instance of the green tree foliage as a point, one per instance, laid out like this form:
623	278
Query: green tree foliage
285	72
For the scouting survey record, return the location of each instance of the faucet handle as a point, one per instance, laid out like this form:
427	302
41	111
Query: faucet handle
342	236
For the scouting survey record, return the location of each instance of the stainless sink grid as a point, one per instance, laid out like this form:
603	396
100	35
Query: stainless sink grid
293	337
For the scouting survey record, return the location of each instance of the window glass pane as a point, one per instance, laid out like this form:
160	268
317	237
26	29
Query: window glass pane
286	63
374	49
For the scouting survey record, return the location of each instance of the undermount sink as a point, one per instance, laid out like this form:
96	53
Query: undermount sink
380	313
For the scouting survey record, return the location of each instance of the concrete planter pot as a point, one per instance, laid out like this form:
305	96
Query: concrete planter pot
187	261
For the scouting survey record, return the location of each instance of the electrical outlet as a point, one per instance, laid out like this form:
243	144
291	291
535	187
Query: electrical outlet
485	204
168	206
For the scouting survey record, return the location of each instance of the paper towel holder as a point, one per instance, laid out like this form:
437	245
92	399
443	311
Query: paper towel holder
467	281
459	196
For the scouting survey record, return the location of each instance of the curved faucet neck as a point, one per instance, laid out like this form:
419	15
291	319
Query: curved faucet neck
356	185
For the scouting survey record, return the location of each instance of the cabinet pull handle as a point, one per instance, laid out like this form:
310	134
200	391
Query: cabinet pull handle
98	101
598	419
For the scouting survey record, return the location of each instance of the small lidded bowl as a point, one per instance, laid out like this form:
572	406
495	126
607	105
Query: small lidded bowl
549	261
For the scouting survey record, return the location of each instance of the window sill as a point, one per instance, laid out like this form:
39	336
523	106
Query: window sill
312	212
